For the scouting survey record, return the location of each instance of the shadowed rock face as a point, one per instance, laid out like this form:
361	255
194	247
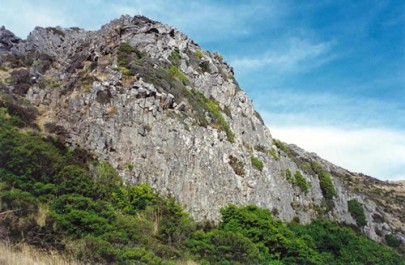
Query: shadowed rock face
163	111
7	40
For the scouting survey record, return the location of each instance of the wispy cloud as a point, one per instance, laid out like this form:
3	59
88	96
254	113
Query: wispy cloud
372	151
297	55
313	108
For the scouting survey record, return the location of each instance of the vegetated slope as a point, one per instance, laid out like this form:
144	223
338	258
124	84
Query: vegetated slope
57	199
163	111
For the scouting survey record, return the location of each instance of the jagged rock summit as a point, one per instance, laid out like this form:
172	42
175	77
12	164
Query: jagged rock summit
164	111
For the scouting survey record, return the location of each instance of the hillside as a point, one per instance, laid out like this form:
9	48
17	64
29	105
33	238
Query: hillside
163	111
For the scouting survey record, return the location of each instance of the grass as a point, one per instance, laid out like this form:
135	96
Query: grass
24	254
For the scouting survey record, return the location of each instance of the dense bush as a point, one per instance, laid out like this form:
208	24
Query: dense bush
357	212
225	247
392	241
328	190
341	245
301	182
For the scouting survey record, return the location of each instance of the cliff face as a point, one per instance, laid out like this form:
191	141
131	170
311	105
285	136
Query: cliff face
163	111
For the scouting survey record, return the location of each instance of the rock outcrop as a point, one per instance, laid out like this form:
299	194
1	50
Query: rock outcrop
164	111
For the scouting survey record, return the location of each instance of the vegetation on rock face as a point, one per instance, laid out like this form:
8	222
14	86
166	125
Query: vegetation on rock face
357	212
257	163
392	241
199	54
328	190
301	182
272	152
282	146
297	179
177	73
203	106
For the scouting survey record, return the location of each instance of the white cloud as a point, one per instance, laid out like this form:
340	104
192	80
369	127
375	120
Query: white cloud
299	55
286	107
376	152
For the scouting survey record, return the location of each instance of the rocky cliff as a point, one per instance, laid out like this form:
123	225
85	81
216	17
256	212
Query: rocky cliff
164	111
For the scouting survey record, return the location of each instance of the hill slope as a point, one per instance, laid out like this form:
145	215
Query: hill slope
163	111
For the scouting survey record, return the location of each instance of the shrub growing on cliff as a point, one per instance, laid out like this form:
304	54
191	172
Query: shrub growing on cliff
272	152
357	212
257	163
203	105
177	73
199	54
301	182
328	190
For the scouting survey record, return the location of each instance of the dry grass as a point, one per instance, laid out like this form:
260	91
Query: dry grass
25	255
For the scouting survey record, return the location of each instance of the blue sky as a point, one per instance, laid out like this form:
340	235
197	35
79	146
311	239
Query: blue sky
326	75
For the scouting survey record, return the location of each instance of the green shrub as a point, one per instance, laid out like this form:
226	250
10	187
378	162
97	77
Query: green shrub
357	212
282	146
175	57
224	247
257	163
124	54
392	240
215	110
199	54
130	166
341	245
328	190
272	152
177	73
317	168
301	182
286	173
141	196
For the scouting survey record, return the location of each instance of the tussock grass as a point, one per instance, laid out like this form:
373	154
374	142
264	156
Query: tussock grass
23	254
